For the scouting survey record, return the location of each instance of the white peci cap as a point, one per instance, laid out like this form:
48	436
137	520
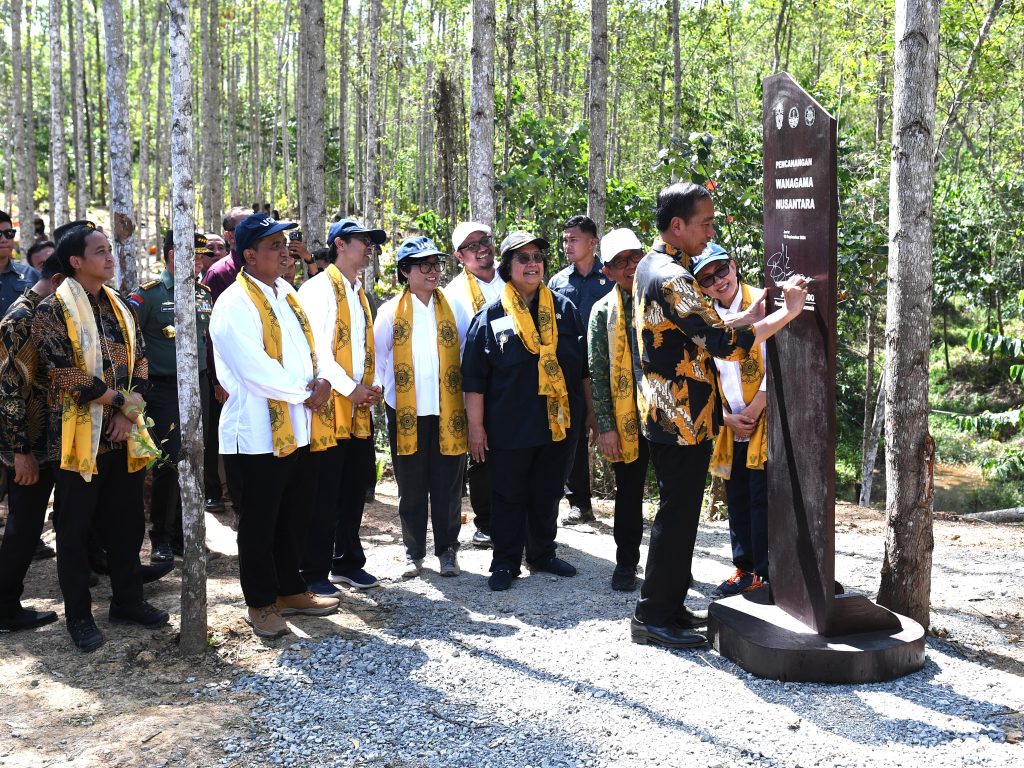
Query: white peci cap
617	241
464	230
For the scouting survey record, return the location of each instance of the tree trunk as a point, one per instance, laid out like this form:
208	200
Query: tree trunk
372	127
235	172
598	107
779	29
76	54
481	121
32	128
58	150
314	210
161	113
343	76
190	463
869	447
121	207
145	98
677	67
213	146
910	452
538	57
24	156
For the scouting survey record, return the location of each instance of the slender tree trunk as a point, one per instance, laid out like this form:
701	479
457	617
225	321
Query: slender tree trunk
121	206
870	447
76	54
161	112
314	210
233	163
481	122
538	57
30	117
358	97
910	454
213	146
598	107
58	150
24	152
779	30
510	55
145	98
190	464
343	56
372	126
677	70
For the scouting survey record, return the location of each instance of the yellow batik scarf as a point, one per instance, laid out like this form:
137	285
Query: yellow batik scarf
345	424
751	374
475	294
542	342
282	432
82	424
452	422
622	385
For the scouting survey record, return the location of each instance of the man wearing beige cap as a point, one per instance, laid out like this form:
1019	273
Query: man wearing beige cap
476	286
610	341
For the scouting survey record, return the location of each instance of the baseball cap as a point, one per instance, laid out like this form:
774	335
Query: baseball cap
464	230
255	227
617	241
417	248
347	227
711	253
519	238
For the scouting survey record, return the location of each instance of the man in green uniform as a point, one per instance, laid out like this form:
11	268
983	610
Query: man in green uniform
154	305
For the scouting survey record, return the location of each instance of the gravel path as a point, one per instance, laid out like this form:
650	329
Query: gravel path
545	675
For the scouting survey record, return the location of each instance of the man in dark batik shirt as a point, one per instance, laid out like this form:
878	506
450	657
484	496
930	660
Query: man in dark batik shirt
677	334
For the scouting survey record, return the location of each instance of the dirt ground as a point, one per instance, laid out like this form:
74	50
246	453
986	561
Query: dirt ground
134	702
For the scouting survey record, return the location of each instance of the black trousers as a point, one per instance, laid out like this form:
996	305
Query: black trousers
214	488
422	477
332	542
747	495
526	486
629	505
26	512
478	474
277	499
112	502
682	472
577	479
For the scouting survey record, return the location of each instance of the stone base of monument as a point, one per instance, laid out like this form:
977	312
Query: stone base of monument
768	642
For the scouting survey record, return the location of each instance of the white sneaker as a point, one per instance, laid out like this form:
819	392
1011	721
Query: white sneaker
449	563
412	568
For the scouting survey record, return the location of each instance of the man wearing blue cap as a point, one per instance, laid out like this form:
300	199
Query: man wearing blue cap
277	421
340	318
741	447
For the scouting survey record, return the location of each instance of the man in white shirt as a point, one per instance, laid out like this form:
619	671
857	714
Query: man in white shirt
339	315
741	446
476	286
275	381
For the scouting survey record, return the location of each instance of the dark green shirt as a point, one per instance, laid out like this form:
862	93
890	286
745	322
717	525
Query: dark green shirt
154	306
602	322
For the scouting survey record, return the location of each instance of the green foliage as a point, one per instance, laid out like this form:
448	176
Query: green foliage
1007	466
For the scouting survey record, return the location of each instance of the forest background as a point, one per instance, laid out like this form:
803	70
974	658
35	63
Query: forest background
683	101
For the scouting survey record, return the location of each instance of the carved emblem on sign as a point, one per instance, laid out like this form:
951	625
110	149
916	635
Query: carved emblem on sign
809	116
778	116
794	117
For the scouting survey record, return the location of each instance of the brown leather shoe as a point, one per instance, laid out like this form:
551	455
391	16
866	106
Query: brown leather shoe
306	604
266	622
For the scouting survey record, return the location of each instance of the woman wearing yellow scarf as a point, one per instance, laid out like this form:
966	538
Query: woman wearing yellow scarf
523	372
741	446
418	338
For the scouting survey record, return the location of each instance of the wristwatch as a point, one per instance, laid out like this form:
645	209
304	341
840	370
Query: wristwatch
118	401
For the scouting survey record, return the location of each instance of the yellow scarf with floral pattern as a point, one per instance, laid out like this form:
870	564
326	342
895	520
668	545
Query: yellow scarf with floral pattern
346	424
622	385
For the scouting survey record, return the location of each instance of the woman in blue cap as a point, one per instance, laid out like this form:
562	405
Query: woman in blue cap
418	338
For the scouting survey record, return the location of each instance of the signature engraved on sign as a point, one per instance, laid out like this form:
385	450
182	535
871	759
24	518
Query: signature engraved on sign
780	270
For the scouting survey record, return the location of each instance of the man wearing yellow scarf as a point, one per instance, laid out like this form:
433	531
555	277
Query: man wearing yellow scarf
339	313
93	355
523	373
741	447
277	420
610	341
418	341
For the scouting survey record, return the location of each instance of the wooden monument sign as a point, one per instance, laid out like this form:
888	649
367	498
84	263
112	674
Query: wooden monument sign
806	628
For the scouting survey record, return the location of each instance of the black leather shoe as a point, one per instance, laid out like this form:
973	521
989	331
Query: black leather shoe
85	635
669	637
500	580
43	551
688	619
141	613
155	571
557	566
161	553
624	578
25	618
214	505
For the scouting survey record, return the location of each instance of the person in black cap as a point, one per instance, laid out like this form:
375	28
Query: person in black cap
340	316
154	306
523	371
277	420
418	337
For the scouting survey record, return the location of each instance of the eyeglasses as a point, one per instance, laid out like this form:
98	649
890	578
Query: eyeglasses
8	233
365	240
531	258
426	267
719	274
484	242
620	262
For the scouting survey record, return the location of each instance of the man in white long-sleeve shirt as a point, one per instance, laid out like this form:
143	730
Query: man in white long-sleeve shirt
340	317
277	384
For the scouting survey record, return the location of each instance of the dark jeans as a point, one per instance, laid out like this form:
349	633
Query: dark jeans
112	502
629	506
211	445
478	474
332	542
427	474
747	494
577	479
26	512
526	487
277	498
682	472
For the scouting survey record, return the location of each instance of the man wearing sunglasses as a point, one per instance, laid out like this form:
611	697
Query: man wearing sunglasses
477	285
15	277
